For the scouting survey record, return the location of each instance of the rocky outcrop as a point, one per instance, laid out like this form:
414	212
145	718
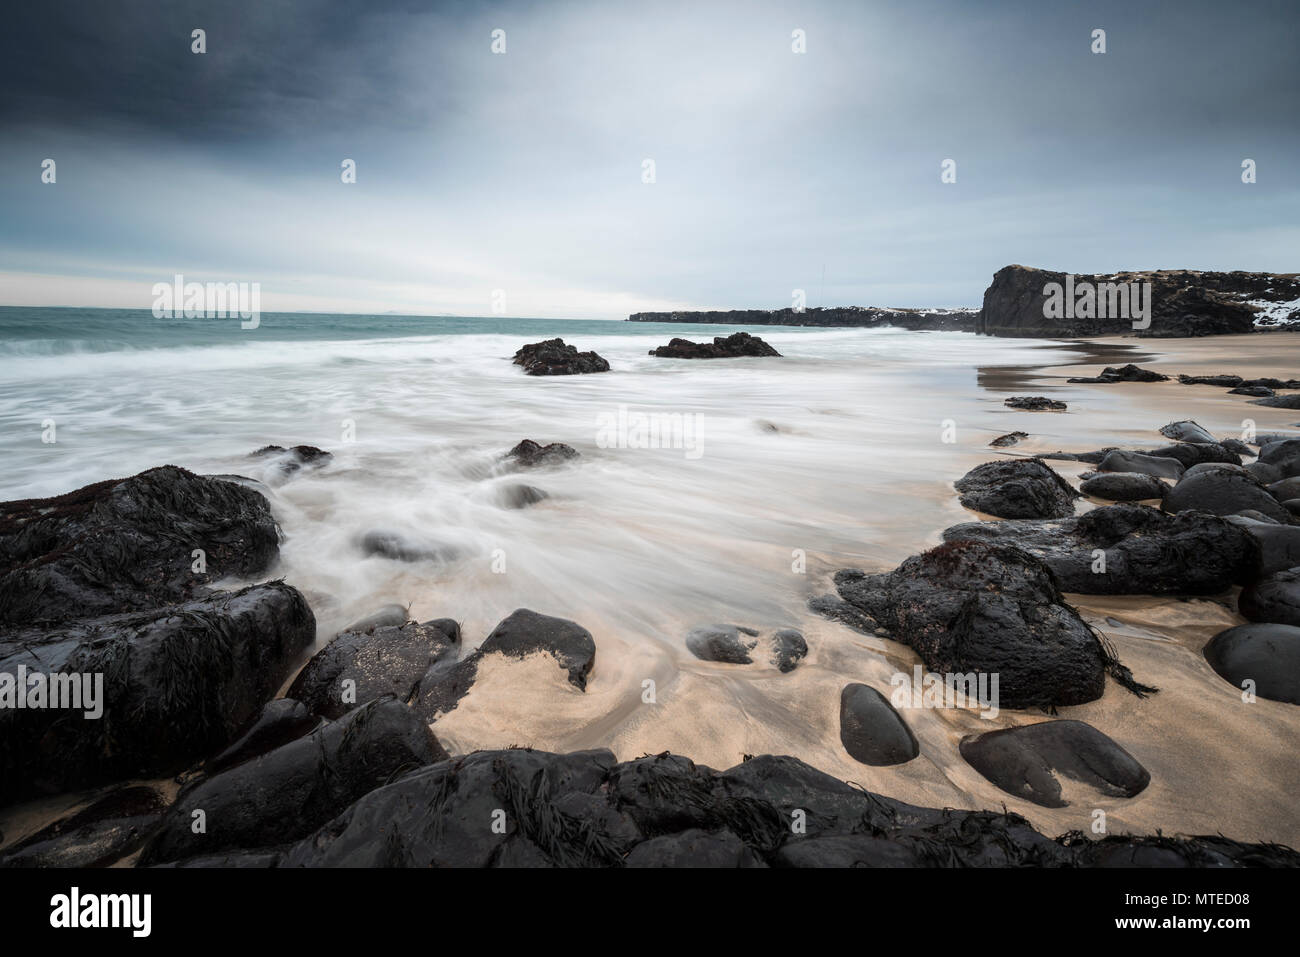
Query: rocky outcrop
1181	303
530	455
1016	488
555	357
950	320
129	544
722	347
176	685
969	606
1130	550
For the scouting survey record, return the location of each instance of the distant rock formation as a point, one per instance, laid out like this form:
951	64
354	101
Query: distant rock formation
1177	303
953	320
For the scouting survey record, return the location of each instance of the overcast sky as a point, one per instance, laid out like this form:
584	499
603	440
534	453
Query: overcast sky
522	171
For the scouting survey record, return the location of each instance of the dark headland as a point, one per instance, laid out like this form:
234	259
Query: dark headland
1181	303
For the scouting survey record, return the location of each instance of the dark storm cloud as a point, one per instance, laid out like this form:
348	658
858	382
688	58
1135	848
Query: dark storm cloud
283	66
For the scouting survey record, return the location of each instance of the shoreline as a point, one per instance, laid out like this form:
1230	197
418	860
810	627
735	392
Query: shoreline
1154	636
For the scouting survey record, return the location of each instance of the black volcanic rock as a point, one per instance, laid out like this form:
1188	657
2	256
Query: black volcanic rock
970	606
128	544
1011	438
1146	551
1016	488
530	455
1161	466
722	347
1186	431
871	730
1027	761
1257	391
107	830
1274	599
951	320
731	644
359	666
287	793
179	683
1035	403
280	721
1267	654
1182	303
1123	487
1223	381
1290	401
291	460
1125	373
555	357
1223	492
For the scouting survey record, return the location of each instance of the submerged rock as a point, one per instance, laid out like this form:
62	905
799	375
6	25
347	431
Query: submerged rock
178	683
555	357
1025	761
1011	438
518	495
291	460
530	455
788	649
871	730
1223	381
359	666
1266	654
1016	488
731	644
289	792
970	606
387	615
109	829
129	544
402	548
1291	401
1142	550
722	347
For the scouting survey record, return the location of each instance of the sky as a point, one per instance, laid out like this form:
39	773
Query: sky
517	178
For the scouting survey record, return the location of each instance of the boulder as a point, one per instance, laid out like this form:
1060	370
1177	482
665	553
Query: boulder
1274	599
1186	430
1196	453
1034	403
359	666
1146	552
279	722
178	684
289	461
519	495
1222	381
788	649
731	644
289	792
555	357
722	347
1016	488
871	730
399	547
1011	438
1118	460
522	633
1223	493
971	606
1027	761
530	455
1279	545
1266	654
110	828
1291	401
1124	487
694	848
128	544
381	617
1125	373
